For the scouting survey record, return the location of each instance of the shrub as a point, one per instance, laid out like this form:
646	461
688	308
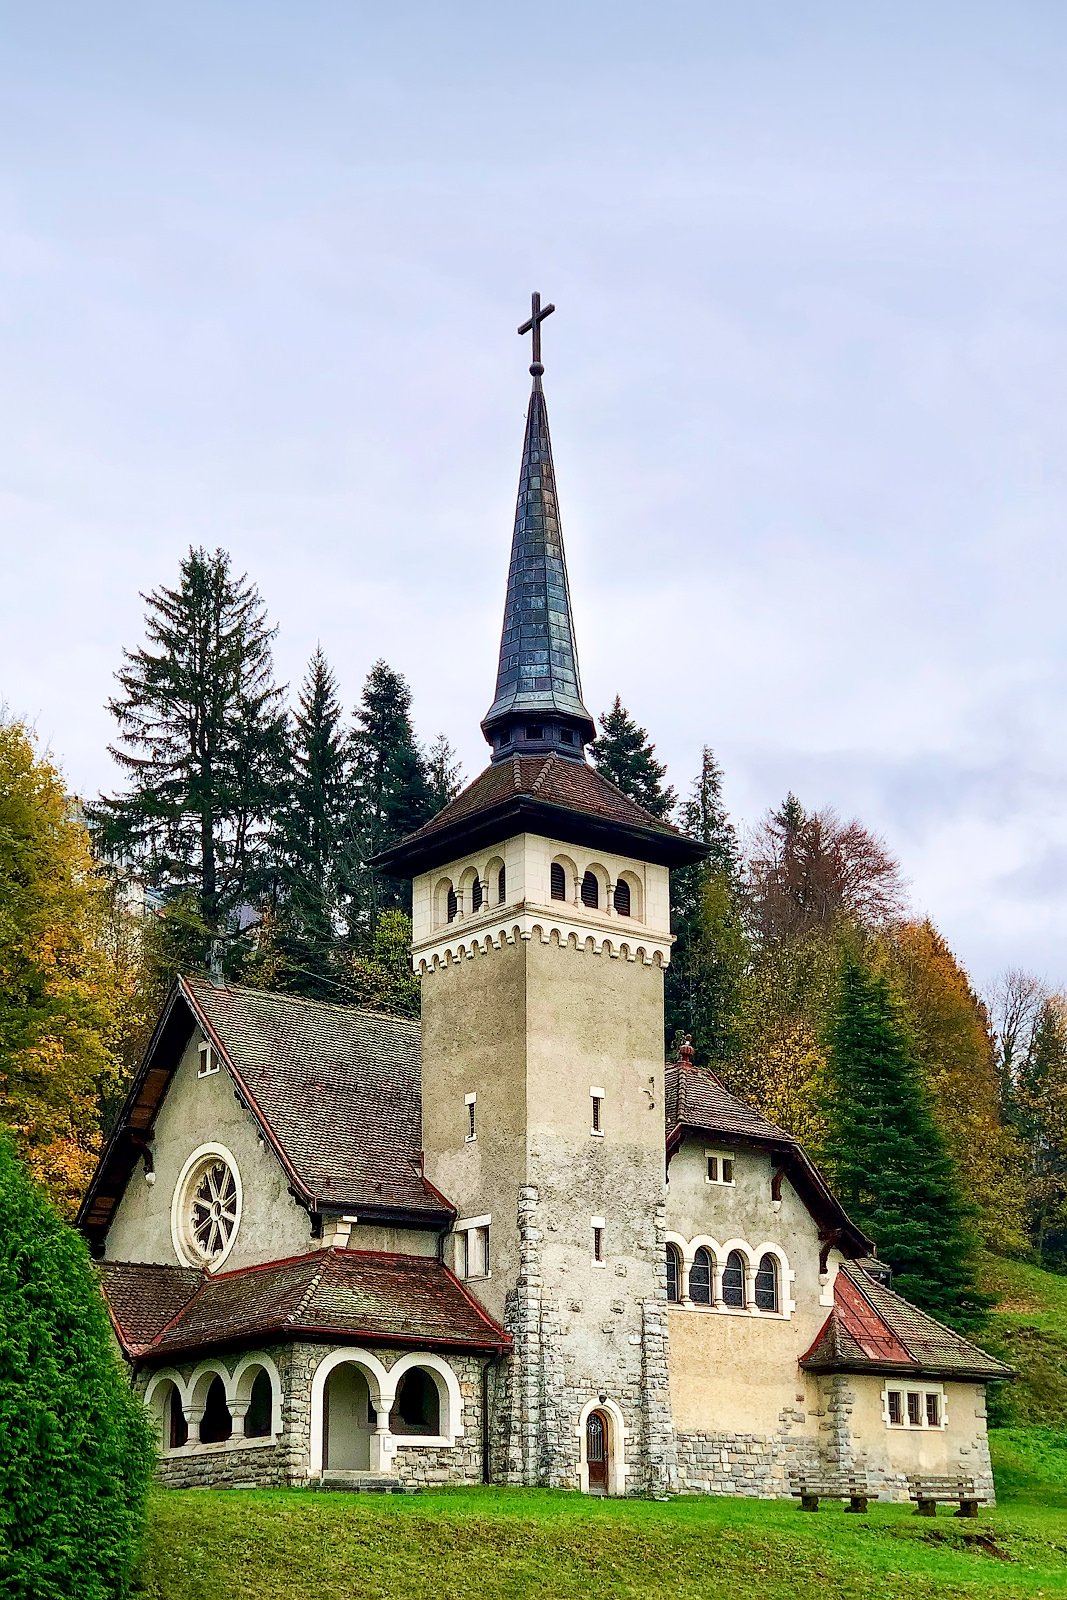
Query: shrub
75	1445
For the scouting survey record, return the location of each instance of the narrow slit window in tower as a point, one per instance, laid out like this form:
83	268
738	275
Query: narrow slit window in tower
559	882
452	904
590	890
502	885
476	895
622	898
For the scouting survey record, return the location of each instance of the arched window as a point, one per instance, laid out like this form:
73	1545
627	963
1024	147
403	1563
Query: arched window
674	1274
596	1452
476	895
622	898
767	1284
733	1280
418	1404
216	1424
559	882
452	904
175	1427
260	1407
591	890
700	1278
502	885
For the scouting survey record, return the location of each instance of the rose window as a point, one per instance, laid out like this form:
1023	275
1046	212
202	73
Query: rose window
212	1205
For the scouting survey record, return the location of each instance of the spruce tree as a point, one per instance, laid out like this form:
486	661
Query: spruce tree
623	754
886	1157
444	773
310	839
711	951
391	790
202	738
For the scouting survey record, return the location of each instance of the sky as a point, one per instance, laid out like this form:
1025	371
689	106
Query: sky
261	268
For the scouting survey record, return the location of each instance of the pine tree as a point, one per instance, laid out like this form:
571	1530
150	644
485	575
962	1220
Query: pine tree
886	1157
309	843
711	952
392	791
624	755
443	772
202	734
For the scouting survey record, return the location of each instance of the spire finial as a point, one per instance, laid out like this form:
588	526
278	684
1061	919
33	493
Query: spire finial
537	316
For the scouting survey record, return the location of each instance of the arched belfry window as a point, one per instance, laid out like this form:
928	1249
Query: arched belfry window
559	881
700	1278
674	1274
476	895
591	890
767	1284
502	885
733	1280
622	898
452	904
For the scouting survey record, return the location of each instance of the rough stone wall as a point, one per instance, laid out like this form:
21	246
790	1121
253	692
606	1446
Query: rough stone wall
746	1463
286	1460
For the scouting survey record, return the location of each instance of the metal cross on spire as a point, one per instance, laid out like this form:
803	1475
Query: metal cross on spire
537	316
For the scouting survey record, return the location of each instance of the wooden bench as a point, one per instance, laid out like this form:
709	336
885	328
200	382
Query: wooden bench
927	1492
810	1489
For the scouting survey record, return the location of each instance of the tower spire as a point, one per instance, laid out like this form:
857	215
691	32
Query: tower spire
538	703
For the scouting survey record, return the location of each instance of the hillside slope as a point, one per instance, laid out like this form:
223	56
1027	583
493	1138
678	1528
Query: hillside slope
1029	1329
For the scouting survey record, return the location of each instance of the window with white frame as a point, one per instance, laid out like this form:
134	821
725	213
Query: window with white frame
596	1127
473	1257
470	1102
914	1408
209	1062
720	1168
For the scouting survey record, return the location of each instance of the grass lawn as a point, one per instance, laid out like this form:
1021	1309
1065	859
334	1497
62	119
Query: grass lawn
507	1544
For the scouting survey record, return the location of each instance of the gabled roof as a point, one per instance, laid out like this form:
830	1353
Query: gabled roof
335	1090
350	1294
547	794
871	1329
698	1102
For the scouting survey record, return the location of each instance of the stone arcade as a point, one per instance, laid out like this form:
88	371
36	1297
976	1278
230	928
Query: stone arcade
508	1245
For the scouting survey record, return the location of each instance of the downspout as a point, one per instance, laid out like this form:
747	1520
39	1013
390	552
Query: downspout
486	1475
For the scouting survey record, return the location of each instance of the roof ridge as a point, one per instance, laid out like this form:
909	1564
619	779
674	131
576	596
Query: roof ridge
543	774
516	768
298	999
881	1288
316	1279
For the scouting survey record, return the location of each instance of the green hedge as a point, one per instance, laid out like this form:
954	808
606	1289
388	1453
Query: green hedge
76	1449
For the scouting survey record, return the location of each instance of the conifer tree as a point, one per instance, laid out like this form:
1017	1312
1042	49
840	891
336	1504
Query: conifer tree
391	789
310	838
711	952
202	734
886	1157
444	773
623	754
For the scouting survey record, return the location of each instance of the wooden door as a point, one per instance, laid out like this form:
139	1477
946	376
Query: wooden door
596	1452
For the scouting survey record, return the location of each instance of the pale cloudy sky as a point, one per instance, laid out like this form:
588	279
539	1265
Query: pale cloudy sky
261	267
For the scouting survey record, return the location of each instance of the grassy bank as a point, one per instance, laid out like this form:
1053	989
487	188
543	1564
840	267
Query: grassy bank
500	1544
1028	1327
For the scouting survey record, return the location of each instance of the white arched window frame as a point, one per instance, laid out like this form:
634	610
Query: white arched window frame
617	1468
596	870
750	1257
636	888
159	1388
440	902
572	881
239	1393
786	1278
382	1382
493	869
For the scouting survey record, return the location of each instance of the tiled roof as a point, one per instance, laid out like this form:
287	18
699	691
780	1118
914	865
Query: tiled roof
697	1099
143	1298
355	1294
872	1329
339	1088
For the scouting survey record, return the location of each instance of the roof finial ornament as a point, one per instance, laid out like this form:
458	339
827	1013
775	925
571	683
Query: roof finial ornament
687	1051
537	316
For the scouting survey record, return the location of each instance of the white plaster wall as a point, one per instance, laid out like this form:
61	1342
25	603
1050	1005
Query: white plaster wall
200	1111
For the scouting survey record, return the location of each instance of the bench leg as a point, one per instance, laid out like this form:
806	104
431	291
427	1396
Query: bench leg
968	1508
926	1508
858	1503
809	1502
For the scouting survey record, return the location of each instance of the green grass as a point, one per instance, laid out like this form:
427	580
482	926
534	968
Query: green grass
1028	1328
500	1544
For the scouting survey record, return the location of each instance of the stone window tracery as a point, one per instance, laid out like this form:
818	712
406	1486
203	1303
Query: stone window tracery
206	1210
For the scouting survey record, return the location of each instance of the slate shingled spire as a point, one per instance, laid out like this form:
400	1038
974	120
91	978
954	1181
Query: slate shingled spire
538	704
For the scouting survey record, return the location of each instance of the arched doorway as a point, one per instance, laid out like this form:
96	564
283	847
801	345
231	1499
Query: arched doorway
348	1420
597	1450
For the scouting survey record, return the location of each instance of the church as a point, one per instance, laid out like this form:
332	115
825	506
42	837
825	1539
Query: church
508	1244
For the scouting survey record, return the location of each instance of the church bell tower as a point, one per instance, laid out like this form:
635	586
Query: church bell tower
541	929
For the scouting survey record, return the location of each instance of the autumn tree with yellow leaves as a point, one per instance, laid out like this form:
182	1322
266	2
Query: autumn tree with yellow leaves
64	998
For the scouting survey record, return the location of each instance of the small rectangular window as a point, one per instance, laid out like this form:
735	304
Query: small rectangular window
598	1244
713	1169
720	1167
933	1411
486	1258
915	1415
566	736
727	1170
896	1409
208	1063
473	1258
472	1108
535	733
597	1100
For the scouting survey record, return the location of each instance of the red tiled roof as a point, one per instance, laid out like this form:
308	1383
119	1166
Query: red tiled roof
872	1329
357	1294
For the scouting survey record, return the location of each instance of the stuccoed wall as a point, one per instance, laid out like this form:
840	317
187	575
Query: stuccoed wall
890	1454
200	1111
